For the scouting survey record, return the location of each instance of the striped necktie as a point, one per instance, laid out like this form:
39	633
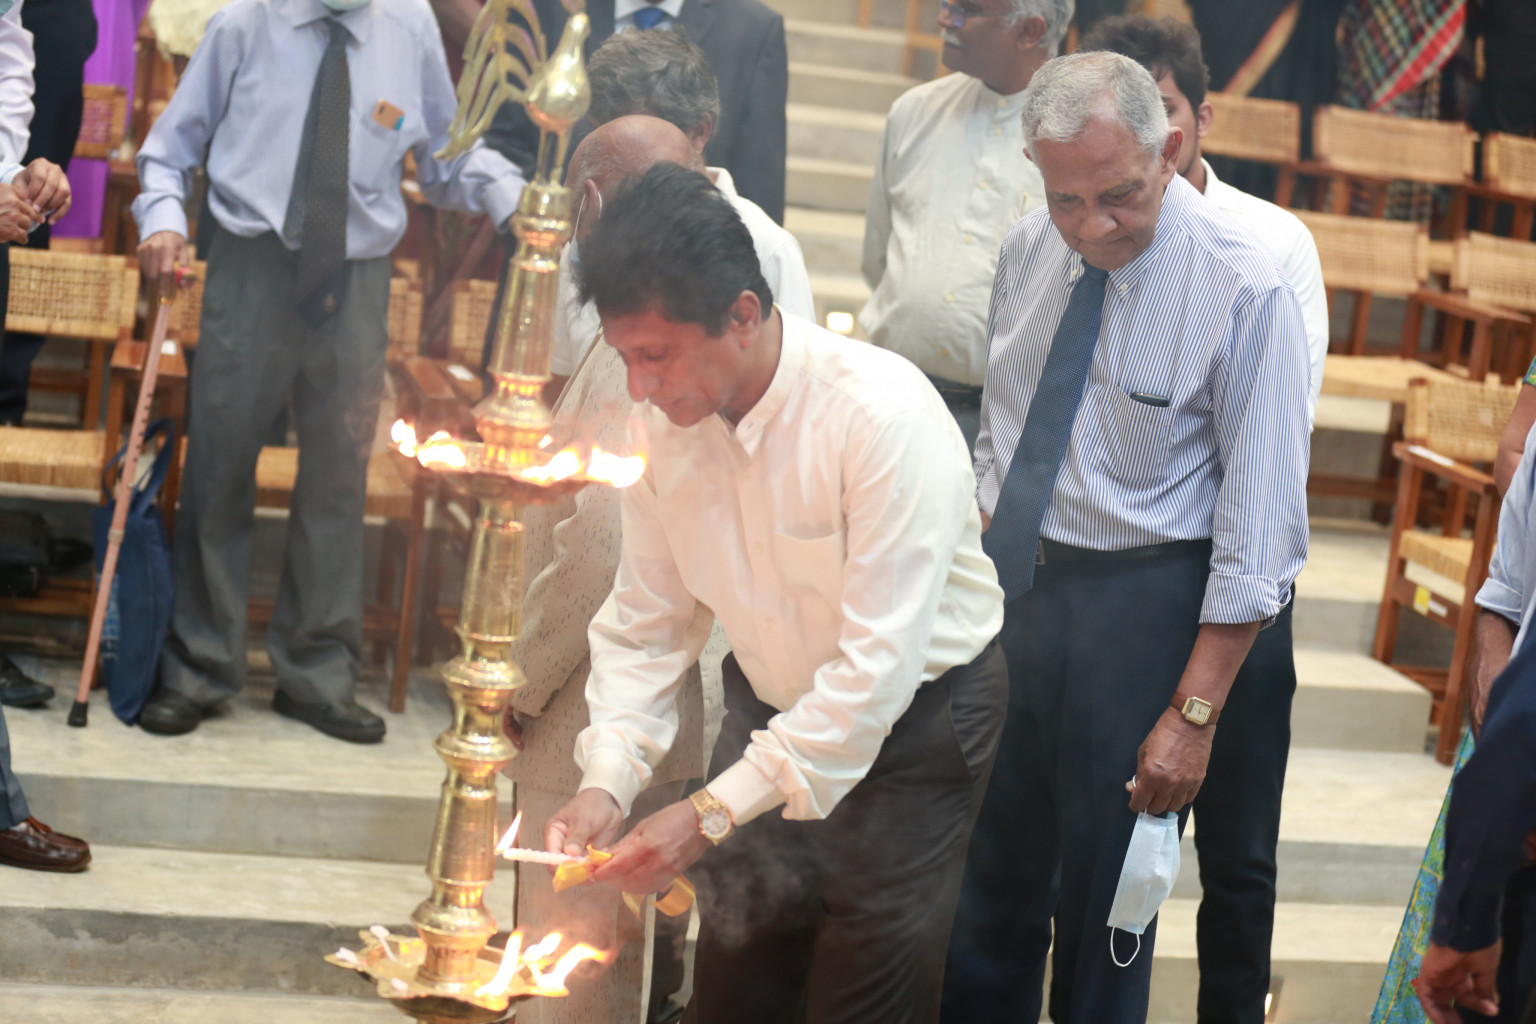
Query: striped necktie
648	17
1014	536
318	203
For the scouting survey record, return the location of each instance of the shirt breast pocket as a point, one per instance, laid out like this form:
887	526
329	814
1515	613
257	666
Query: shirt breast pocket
376	154
1136	435
812	567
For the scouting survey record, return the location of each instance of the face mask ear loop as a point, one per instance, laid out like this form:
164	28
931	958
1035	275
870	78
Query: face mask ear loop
1117	959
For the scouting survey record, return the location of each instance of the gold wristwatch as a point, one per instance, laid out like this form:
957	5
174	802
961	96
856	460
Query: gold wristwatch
1195	711
715	822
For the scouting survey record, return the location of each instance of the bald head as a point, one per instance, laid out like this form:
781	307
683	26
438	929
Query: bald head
625	146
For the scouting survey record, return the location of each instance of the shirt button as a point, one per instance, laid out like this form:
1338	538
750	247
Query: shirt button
969	239
943	351
757	546
981	184
997	131
949	297
768	625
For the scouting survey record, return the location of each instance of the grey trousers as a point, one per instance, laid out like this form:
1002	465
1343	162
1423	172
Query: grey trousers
254	354
13	802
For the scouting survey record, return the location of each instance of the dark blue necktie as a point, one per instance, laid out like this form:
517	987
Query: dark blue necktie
317	204
648	17
1014	536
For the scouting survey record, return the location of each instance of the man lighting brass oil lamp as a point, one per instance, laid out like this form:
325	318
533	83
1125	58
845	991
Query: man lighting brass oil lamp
446	973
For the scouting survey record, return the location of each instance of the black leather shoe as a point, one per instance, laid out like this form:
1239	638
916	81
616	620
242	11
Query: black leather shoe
19	690
345	720
168	713
36	847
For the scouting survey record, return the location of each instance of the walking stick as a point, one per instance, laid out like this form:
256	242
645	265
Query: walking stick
182	278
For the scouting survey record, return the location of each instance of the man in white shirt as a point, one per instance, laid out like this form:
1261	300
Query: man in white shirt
815	495
1237	813
663	75
951	179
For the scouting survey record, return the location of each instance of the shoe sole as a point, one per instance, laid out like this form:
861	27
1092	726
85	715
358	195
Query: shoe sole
27	703
160	730
295	711
66	869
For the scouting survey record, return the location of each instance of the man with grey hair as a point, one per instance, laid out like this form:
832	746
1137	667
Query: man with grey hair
1141	470
951	178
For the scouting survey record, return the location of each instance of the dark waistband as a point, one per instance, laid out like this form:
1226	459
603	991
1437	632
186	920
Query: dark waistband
956	394
1053	551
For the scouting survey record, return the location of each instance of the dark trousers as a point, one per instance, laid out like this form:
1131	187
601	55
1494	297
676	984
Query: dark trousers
964	403
1095	652
255	353
844	921
63	36
1237	829
13	802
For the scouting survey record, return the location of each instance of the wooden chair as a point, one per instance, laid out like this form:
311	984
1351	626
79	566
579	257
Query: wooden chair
1356	147
1493	291
77	296
1451	433
1367	257
1264	131
397	494
103	121
1509	179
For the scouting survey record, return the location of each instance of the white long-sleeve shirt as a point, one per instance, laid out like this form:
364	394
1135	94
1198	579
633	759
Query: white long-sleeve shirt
16	63
835	534
951	180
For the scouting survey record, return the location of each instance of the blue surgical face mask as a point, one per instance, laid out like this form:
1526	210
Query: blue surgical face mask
340	6
1147	877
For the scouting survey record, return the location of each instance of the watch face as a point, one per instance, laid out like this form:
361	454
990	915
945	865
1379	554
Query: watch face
715	824
1197	711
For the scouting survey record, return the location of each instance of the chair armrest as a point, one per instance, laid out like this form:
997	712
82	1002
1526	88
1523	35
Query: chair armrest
1460	305
1444	467
129	358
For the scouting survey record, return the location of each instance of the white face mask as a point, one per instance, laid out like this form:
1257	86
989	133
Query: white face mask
1146	879
342	6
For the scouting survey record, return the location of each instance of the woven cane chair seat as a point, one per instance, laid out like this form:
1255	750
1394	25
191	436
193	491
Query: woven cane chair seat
389	496
472	303
1384	378
1383	146
404	317
52	458
72	295
1383	257
103	121
1498	271
1253	129
1509	164
1447	556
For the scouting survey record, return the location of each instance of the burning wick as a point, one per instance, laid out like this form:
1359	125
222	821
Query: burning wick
347	955
382	934
524	855
442	450
399	986
511	960
553	982
404	436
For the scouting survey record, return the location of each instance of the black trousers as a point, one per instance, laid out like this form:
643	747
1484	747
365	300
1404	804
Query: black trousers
63	36
1095	652
1237	830
845	920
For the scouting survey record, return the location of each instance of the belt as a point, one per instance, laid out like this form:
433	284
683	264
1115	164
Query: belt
1051	552
956	394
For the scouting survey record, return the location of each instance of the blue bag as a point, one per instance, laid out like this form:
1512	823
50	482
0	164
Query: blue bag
139	608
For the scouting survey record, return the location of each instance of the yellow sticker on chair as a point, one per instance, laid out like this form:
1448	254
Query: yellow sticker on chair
1421	600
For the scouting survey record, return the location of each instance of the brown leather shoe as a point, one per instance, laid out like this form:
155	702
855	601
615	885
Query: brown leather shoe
36	847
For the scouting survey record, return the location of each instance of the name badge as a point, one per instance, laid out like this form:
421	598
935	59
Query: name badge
387	115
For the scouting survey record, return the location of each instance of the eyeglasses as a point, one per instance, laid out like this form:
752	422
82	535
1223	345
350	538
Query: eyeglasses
581	208
960	10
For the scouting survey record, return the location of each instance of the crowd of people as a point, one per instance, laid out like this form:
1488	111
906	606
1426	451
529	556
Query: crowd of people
1007	591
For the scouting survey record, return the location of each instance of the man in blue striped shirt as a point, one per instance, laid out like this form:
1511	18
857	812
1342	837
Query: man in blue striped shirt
1142	468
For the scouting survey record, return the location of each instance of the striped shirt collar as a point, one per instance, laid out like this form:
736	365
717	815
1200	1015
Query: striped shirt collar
356	21
1175	199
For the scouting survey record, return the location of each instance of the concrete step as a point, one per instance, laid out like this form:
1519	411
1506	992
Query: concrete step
1350	701
832	242
838	293
58	1004
848	88
246	781
1353	827
831	133
1329	960
1347	440
844	46
827	184
185	919
839	12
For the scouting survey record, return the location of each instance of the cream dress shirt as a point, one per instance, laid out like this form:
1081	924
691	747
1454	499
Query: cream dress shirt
835	534
1283	234
952	179
777	251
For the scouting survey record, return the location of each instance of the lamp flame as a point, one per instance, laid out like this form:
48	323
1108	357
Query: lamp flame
506	840
553	982
565	464
404	436
618	470
441	450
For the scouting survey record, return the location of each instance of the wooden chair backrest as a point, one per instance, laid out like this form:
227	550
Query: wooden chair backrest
1253	129
404	316
1509	164
103	121
1458	418
1398	148
1494	270
467	320
72	295
1382	257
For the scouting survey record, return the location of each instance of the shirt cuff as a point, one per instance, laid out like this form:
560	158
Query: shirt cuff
164	214
499	199
1497	597
1236	600
612	772
745	791
8	173
1469	923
